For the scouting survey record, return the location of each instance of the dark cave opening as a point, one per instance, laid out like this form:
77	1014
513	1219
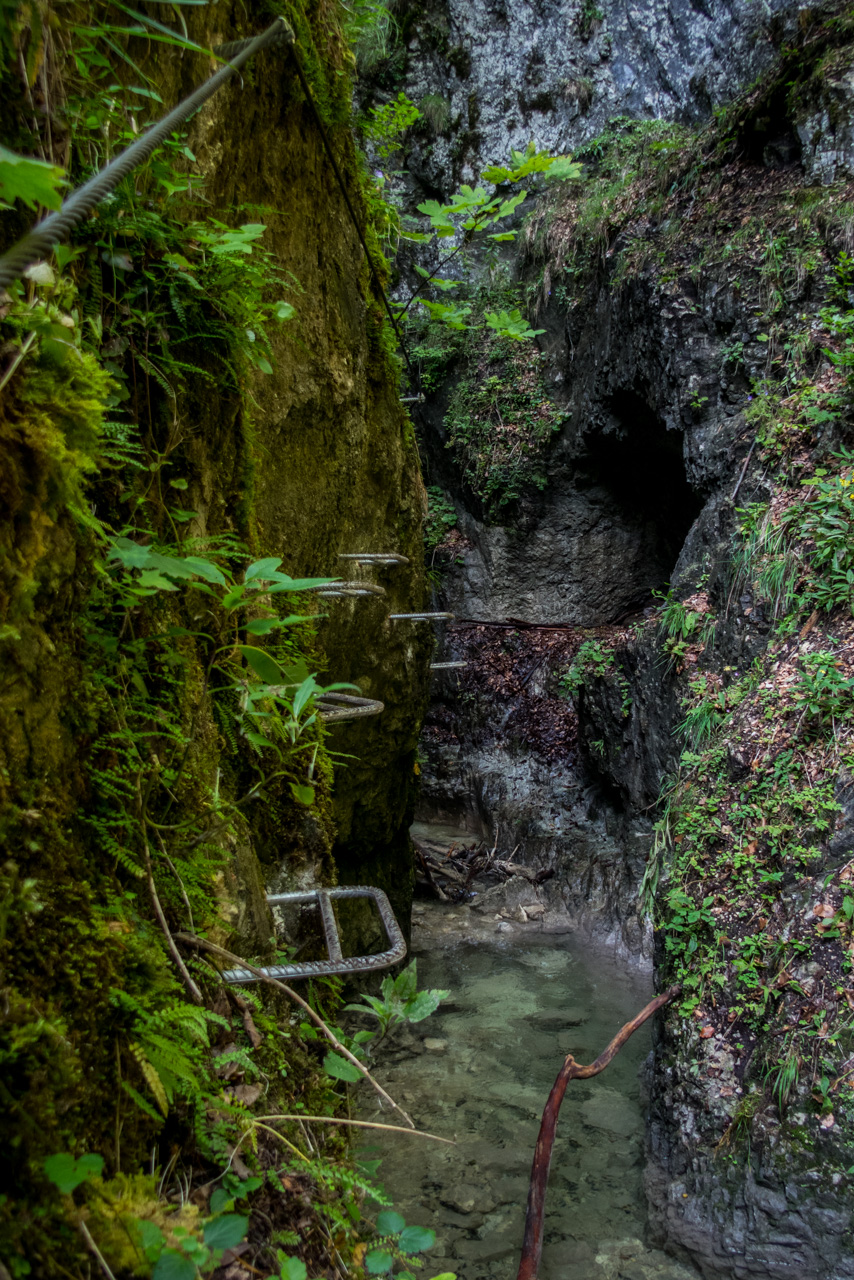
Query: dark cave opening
636	464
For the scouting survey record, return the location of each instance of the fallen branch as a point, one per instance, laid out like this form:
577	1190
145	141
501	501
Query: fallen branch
743	471
186	977
190	939
366	1124
532	1244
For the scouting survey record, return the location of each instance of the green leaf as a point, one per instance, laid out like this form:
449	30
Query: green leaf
131	554
178	484
283	311
304	693
377	1262
204	569
291	1268
564	169
172	1265
225	1232
282	582
150	578
302	795
262	664
262	568
406	983
508	206
423	1004
263	626
220	1199
237	240
66	1173
416	1239
452	316
151	1238
511	324
390	1223
340	1069
34	182
233	598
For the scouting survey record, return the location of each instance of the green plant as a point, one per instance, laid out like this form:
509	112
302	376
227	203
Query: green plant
400	1001
826	523
388	124
824	694
176	1249
706	708
398	1243
501	416
373	33
195	722
588	14
467	218
435	112
441	518
591	662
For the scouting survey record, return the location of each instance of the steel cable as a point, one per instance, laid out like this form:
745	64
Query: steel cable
43	238
330	153
39	242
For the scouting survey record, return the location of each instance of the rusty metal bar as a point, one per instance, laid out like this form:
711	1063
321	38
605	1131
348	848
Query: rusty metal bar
330	928
374	557
395	951
418	617
352	589
348	707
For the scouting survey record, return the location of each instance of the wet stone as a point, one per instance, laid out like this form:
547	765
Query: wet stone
468	1199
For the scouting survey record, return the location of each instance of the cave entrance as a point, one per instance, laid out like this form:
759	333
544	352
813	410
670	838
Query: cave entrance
635	466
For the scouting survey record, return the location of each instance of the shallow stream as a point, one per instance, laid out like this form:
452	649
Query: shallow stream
480	1069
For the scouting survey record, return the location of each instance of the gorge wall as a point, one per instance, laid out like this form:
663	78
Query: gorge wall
125	763
693	297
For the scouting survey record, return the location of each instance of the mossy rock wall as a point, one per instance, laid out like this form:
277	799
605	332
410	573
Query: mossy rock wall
314	460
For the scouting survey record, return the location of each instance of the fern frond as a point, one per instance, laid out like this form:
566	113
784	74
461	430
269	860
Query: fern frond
141	1102
151	368
152	1078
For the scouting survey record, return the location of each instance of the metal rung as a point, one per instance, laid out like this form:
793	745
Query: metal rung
337	962
418	617
345	706
373	557
357	589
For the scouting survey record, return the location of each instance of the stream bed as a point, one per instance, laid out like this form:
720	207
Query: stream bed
479	1071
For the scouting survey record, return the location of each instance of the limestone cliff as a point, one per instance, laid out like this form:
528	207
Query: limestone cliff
696	341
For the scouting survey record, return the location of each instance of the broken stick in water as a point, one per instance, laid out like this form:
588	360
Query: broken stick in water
532	1244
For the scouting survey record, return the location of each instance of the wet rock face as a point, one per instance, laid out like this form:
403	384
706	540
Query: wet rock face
557	70
825	125
498	757
768	1220
628	477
